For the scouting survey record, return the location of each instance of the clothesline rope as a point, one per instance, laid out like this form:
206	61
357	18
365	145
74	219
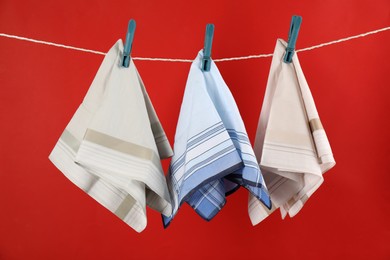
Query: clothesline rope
257	56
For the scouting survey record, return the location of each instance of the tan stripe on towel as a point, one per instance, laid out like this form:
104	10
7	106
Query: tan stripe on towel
125	207
292	201
315	124
122	146
70	140
304	199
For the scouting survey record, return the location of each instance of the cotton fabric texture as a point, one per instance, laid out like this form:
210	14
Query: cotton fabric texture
213	156
291	144
112	146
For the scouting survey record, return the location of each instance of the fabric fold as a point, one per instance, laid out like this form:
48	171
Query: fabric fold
112	146
291	144
213	156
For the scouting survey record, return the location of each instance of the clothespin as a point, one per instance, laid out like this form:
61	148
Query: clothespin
208	42
292	38
128	43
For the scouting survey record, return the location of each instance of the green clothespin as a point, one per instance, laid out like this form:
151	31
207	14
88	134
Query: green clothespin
208	42
128	44
292	38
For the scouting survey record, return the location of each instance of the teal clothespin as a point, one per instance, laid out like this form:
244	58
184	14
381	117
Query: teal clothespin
128	44
292	38
208	42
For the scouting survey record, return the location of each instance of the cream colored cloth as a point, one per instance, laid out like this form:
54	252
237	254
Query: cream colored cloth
111	148
291	144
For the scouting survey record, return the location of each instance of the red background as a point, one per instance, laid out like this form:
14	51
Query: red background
44	216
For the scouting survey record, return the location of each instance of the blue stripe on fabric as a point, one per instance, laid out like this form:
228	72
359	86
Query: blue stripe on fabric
250	163
203	187
207	210
219	123
206	157
252	175
237	132
261	194
222	166
203	159
213	192
209	199
205	138
199	139
249	156
242	141
166	220
212	171
248	175
238	135
184	160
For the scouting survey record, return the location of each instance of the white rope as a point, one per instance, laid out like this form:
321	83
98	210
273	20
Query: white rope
343	39
189	60
50	43
162	59
245	57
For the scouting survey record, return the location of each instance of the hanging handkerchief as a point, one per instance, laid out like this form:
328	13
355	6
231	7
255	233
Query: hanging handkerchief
291	144
111	148
213	155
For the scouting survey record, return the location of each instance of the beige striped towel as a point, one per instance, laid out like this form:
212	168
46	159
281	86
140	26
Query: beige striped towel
112	146
291	144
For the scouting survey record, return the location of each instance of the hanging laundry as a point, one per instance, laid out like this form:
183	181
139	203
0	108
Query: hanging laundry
291	143
112	146
212	153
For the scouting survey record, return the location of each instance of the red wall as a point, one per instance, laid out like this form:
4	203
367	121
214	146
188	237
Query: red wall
44	216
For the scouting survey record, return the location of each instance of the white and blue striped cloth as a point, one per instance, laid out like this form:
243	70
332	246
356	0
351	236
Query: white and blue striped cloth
213	156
